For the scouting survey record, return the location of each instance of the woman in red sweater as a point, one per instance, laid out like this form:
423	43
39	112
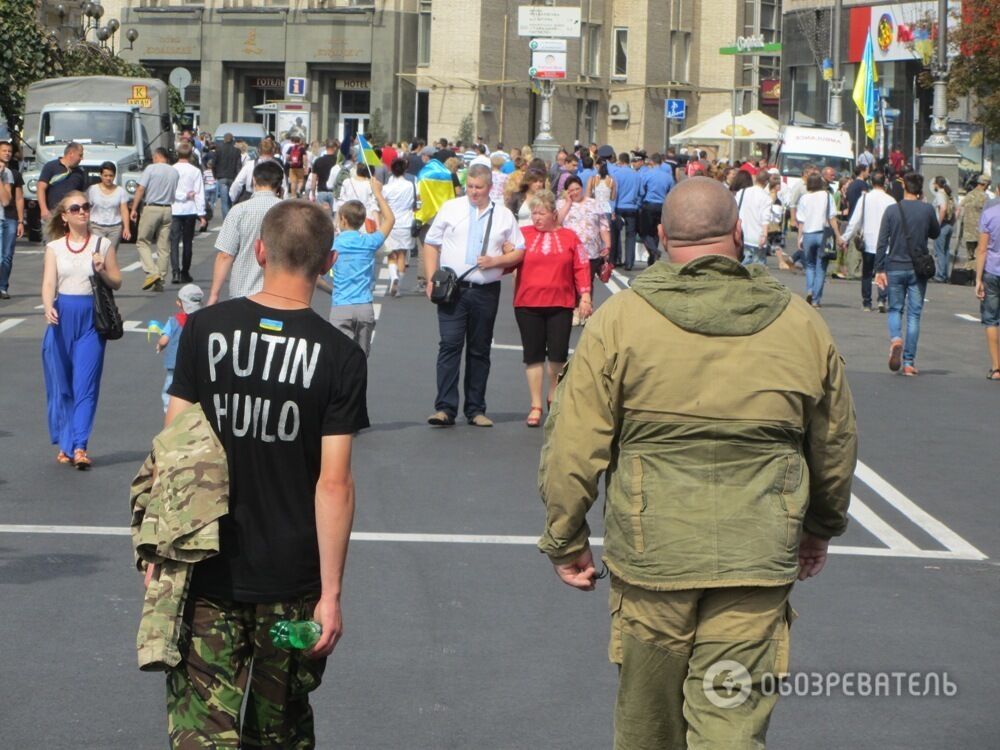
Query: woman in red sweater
553	276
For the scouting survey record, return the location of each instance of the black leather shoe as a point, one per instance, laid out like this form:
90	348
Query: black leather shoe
186	277
176	278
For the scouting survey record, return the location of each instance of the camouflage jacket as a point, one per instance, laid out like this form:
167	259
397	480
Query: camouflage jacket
177	498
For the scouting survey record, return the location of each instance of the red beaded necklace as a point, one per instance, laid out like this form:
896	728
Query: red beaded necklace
83	247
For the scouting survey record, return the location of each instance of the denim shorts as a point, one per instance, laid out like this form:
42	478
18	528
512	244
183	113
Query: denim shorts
989	308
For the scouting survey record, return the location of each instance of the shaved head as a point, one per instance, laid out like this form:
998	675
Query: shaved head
698	211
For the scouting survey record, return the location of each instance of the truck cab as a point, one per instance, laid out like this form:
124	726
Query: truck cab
799	145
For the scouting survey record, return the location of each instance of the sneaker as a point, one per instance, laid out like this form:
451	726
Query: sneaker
158	286
895	355
4	294
867	308
881	307
910	371
394	288
809	297
150	281
480	420
440	419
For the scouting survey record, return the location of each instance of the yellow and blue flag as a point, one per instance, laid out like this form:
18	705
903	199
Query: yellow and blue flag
154	326
367	152
865	95
434	185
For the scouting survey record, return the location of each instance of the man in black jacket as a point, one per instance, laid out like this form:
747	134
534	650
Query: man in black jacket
227	166
904	234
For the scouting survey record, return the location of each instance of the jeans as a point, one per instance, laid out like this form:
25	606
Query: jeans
867	274
182	229
467	322
325	198
754	254
630	222
8	236
167	382
225	202
905	289
812	246
942	246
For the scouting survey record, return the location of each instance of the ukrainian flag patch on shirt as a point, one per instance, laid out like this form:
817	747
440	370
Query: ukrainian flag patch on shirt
271	325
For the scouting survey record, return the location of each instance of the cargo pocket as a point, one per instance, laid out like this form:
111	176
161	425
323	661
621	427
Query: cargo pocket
615	599
787	478
637	505
783	642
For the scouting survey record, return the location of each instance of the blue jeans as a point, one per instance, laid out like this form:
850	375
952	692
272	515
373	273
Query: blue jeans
325	198
906	290
467	322
8	236
942	246
222	185
167	382
812	247
754	254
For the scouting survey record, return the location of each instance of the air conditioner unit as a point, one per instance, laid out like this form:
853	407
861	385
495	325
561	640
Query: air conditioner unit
618	111
486	108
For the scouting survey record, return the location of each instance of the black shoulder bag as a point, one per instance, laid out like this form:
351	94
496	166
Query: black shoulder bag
107	318
923	263
445	281
829	246
860	239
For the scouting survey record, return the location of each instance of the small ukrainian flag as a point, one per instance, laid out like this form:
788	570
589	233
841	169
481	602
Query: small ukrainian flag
271	325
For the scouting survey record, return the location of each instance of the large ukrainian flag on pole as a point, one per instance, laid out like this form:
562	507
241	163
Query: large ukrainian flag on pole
865	95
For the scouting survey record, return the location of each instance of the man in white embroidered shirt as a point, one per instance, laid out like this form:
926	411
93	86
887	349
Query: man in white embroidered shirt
469	233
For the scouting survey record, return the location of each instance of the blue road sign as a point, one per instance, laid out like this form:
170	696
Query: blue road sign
295	87
676	109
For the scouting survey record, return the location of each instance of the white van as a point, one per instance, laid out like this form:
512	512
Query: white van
825	147
251	133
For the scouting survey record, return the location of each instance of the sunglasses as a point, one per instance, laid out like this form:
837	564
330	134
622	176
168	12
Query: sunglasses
78	207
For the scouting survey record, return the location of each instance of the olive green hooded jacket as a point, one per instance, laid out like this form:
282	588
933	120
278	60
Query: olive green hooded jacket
716	405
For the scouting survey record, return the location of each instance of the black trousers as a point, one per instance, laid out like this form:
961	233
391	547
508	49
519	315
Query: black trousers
182	228
648	224
867	274
628	221
466	323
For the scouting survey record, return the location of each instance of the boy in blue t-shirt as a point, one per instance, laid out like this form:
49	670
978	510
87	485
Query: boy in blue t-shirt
189	300
351	308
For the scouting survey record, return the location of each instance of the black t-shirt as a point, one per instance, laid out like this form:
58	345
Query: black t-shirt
414	163
62	180
273	383
10	212
855	190
322	168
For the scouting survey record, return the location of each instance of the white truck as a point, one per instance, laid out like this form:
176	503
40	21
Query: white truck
116	119
799	145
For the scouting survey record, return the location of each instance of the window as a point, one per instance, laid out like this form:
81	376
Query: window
680	69
421	119
621	53
592	62
424	33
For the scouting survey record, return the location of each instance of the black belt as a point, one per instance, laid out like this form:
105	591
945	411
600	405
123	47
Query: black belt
471	285
161	205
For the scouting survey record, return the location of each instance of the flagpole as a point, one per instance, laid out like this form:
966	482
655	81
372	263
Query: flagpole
837	84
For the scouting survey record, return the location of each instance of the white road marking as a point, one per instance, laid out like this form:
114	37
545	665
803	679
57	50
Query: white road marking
970	318
8	323
39	307
612	286
509	347
132	267
134	326
877	526
30	252
621	279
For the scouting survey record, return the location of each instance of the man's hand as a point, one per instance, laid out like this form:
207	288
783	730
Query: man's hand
980	289
430	289
204	221
812	555
134	215
150	575
882	280
485	261
46	214
580	574
126	232
327	614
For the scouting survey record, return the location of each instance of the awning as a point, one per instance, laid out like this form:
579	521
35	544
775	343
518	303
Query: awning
753	127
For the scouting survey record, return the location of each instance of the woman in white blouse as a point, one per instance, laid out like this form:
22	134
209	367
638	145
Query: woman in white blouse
109	216
815	215
401	195
72	349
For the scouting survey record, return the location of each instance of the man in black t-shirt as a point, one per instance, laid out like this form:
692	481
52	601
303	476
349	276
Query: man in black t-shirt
285	392
59	178
321	169
12	223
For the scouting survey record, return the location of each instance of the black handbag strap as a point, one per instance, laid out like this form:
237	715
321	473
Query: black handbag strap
486	242
906	230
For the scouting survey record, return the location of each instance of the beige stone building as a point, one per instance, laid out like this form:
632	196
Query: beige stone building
425	66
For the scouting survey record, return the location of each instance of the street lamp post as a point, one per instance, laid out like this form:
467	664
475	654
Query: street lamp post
938	156
545	145
836	113
91	22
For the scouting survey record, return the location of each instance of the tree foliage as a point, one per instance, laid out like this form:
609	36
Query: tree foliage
27	54
376	130
466	130
975	72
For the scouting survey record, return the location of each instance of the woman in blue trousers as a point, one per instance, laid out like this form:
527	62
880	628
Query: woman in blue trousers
72	350
815	217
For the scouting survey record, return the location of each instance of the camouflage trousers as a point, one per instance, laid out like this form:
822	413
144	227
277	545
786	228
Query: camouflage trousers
692	665
227	656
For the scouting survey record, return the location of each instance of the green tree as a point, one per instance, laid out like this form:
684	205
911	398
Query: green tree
975	71
27	54
376	130
466	130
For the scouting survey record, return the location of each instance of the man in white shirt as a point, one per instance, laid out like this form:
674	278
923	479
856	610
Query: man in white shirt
755	213
188	207
471	236
865	221
244	180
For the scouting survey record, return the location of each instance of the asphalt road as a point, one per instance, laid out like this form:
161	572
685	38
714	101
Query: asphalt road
470	641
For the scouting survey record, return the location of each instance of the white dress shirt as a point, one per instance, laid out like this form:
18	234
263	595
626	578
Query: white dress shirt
189	180
872	206
755	213
245	178
450	232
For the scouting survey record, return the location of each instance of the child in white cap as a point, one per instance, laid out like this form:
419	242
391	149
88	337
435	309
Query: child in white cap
189	300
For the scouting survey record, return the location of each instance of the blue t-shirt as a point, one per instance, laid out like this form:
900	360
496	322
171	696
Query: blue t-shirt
172	330
585	175
353	273
508	166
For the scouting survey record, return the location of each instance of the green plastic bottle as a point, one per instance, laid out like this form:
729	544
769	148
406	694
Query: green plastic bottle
296	634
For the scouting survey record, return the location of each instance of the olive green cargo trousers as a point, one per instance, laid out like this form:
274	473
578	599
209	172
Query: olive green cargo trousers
692	665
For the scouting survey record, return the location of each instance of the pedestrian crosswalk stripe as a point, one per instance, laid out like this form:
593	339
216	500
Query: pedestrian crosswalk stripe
965	316
8	323
132	267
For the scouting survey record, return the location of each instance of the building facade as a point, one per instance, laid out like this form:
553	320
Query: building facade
435	68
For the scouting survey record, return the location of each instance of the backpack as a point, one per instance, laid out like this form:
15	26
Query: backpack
338	183
295	154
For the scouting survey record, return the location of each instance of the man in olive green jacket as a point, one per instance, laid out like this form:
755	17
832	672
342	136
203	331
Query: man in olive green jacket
716	404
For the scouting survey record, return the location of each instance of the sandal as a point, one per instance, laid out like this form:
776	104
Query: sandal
994	375
81	460
62	458
534	417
